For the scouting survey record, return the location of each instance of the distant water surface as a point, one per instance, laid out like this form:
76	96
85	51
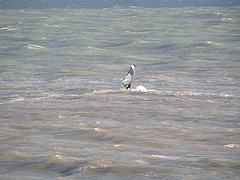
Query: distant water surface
64	113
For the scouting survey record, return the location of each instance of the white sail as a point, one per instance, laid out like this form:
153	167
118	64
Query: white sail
127	81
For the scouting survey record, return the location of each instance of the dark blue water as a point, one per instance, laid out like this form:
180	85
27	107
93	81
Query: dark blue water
110	3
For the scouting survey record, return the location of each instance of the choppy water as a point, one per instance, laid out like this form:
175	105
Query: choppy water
64	113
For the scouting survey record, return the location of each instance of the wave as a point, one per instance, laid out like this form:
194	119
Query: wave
232	145
37	97
164	157
8	29
212	43
226	19
35	47
142	89
139	90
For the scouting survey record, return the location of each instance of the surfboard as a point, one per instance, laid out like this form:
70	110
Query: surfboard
128	79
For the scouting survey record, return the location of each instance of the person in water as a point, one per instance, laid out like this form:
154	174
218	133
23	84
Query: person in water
127	81
128	86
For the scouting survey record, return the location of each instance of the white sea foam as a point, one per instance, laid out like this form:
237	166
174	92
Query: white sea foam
164	157
137	89
141	88
58	156
35	47
122	145
99	130
17	100
8	29
232	145
180	94
226	19
103	91
212	43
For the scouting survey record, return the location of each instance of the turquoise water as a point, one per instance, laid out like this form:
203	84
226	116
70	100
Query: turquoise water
65	114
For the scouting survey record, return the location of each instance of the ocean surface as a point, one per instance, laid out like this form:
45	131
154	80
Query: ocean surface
64	113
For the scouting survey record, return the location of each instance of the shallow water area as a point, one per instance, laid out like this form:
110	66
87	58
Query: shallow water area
65	115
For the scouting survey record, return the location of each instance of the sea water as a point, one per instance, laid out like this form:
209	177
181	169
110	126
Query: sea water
65	114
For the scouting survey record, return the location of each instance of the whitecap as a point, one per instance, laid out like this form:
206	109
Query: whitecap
164	157
17	100
219	14
232	145
141	88
101	91
139	42
58	156
122	145
35	47
226	19
8	29
99	130
212	43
